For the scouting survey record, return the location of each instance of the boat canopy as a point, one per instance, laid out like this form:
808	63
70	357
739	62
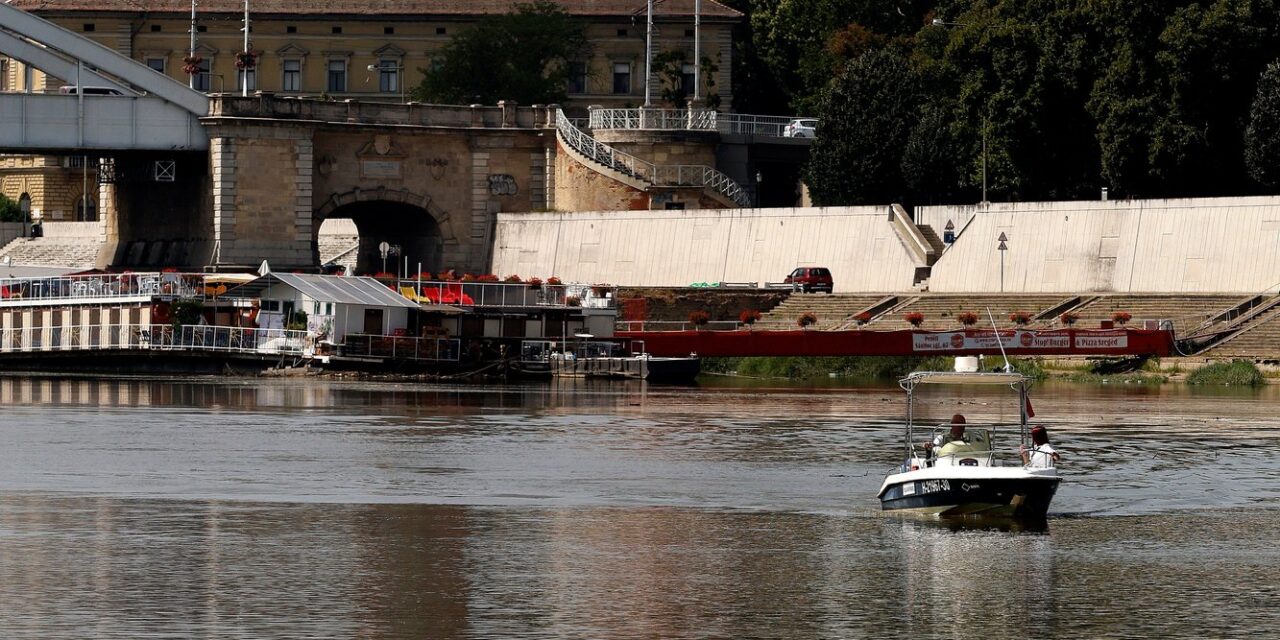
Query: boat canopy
953	377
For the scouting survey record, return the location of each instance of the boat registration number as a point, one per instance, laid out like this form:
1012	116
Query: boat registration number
933	486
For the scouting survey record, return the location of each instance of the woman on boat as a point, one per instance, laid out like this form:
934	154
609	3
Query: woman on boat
1042	455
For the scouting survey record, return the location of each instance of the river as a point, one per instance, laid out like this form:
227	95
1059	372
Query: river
288	508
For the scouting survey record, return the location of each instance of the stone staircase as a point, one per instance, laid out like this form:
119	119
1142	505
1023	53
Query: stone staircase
73	252
932	238
1187	312
833	310
940	309
642	174
1259	340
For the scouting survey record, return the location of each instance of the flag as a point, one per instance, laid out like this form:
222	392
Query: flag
1031	413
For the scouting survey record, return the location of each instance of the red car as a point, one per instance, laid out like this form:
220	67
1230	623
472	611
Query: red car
811	279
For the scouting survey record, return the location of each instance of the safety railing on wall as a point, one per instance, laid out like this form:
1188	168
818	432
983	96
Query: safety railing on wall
653	119
155	337
645	171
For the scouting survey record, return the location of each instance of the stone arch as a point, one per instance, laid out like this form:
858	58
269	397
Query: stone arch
389	214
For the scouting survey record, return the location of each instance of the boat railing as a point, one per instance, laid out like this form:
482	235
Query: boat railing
402	347
99	286
96	337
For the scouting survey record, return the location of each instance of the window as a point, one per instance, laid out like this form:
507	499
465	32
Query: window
337	30
156	64
622	77
201	29
247	74
290	29
388	75
86	210
388	30
292	80
686	78
202	79
441	31
270	305
155	28
89	27
577	77
622	33
337	76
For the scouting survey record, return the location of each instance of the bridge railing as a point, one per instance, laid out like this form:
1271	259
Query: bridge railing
653	119
645	171
763	126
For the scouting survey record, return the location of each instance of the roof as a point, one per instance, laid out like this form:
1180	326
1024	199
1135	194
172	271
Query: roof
444	8
951	377
337	289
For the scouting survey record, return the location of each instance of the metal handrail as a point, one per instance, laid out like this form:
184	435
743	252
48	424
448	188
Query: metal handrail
645	171
654	119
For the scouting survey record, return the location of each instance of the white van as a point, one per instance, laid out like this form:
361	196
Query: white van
90	91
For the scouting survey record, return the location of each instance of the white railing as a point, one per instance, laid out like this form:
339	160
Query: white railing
645	171
691	120
653	119
107	286
154	337
507	294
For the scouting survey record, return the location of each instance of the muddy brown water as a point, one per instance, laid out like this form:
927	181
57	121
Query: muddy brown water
303	508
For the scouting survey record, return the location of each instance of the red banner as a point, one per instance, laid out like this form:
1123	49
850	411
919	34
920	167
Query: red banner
1058	342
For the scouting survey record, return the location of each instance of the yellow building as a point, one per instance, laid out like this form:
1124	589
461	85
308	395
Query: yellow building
378	49
372	51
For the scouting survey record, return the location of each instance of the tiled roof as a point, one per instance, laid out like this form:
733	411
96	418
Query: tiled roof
450	8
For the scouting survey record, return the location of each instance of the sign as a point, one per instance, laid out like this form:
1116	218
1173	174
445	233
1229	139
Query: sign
1103	340
988	341
1003	237
1003	246
380	168
384	249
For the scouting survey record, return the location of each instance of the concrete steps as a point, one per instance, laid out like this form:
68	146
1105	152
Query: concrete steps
833	310
74	252
1185	311
940	310
1259	340
932	238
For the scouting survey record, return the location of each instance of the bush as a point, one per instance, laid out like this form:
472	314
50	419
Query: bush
1241	373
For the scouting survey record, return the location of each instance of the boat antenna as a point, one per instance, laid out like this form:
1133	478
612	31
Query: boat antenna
1008	368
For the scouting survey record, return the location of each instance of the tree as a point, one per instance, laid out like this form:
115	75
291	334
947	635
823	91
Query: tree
9	210
669	65
866	120
522	56
1262	138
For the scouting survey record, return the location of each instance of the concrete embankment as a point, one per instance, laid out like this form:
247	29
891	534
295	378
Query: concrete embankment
1224	245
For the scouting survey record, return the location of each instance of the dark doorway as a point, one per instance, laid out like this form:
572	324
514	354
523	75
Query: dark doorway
373	322
410	229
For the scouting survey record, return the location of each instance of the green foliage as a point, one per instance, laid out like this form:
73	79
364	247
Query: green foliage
9	210
185	312
798	367
867	118
1234	373
523	56
1262	138
669	66
297	322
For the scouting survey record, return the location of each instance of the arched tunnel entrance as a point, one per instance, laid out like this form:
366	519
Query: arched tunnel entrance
412	232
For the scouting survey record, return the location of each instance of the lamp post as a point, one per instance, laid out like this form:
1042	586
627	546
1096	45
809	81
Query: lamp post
248	65
398	70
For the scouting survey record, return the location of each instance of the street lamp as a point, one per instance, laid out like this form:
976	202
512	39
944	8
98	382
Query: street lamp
395	69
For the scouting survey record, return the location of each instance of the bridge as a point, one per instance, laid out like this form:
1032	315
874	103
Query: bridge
137	109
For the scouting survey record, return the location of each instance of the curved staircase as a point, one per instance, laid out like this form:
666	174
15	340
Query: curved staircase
642	174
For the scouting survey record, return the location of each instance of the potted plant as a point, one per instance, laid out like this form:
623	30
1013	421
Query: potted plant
967	318
600	288
488	277
1067	318
534	282
699	319
424	275
915	319
1121	317
449	276
553	281
806	319
1020	318
573	301
749	317
512	279
862	318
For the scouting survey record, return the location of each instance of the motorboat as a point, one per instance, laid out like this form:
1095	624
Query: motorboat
601	359
966	477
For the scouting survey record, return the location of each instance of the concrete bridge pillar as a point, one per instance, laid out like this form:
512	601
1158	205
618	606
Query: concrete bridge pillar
262	197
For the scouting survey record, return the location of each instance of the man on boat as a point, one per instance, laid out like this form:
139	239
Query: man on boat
956	434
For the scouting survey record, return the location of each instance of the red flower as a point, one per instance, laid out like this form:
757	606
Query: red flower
915	318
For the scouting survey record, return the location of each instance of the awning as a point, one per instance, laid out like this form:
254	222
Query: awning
446	309
336	289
